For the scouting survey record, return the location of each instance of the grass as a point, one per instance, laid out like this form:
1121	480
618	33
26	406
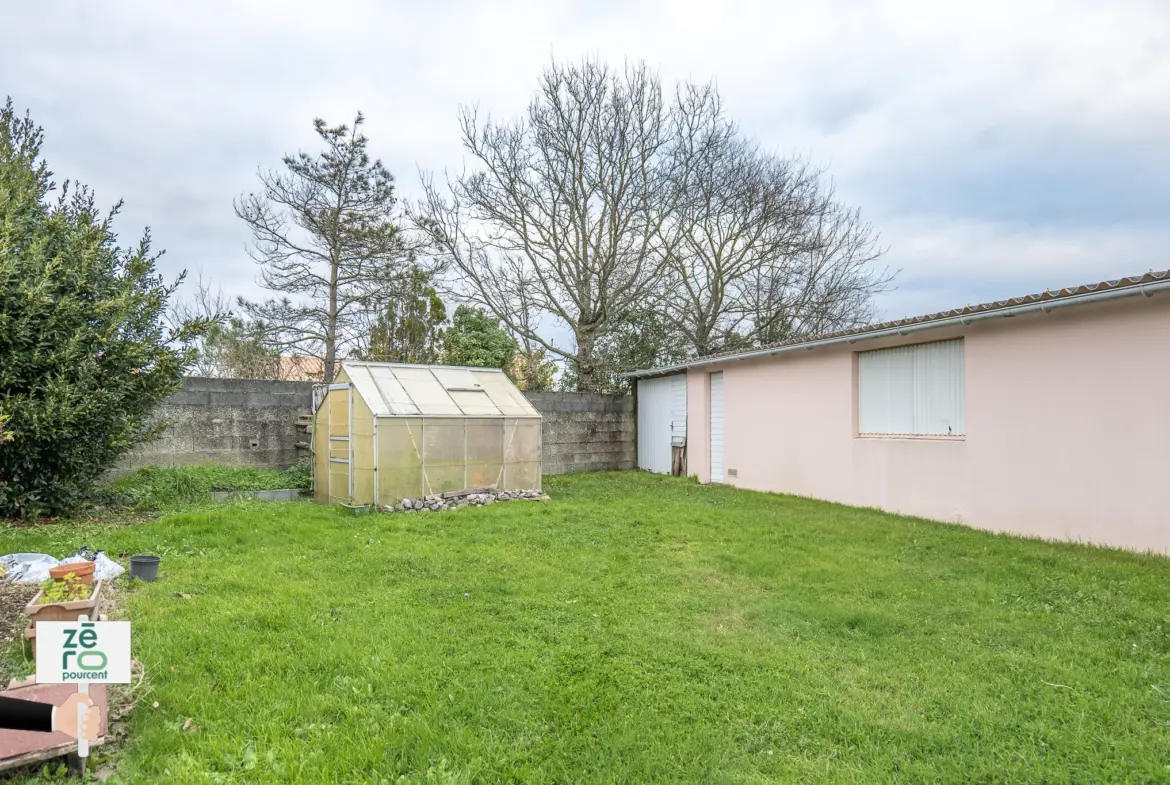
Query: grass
635	628
160	488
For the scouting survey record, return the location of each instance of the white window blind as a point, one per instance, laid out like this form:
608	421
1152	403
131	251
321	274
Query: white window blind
912	390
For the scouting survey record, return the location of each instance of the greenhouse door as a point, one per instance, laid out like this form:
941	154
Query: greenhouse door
340	423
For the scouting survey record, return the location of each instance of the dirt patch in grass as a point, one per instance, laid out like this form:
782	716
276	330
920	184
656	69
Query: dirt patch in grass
13	598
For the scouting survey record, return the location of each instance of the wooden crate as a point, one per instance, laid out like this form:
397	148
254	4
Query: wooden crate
64	611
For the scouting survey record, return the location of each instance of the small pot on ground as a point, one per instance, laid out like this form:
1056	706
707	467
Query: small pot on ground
144	568
82	569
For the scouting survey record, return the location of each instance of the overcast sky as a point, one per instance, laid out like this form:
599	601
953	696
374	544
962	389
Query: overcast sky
999	147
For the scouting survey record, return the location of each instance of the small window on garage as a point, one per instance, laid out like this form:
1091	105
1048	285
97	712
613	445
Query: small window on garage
911	390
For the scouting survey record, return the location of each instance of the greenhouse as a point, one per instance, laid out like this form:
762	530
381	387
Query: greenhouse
383	432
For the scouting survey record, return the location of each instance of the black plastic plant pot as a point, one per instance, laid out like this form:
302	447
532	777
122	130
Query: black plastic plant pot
144	568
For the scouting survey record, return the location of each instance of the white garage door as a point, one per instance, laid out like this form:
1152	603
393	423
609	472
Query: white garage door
678	410
662	419
717	427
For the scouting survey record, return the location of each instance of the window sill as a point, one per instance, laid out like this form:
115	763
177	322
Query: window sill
912	437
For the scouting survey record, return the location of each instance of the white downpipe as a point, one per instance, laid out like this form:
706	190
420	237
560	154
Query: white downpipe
1148	290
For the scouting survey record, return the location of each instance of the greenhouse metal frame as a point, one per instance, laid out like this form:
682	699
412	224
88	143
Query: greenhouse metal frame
388	431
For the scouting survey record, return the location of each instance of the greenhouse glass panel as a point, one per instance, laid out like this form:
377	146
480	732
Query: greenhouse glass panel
402	431
443	442
456	378
474	404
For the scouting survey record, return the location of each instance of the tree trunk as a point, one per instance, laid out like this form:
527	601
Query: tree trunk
704	331
702	345
330	362
331	327
586	371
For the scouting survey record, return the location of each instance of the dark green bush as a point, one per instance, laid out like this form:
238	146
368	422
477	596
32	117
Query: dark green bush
84	351
299	475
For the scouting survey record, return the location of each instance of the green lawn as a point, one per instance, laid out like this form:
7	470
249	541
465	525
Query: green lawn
635	628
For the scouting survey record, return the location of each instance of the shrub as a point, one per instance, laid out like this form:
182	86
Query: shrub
67	589
299	475
86	354
157	487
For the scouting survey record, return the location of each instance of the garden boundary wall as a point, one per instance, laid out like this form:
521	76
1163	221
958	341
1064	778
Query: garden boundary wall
240	422
248	422
584	432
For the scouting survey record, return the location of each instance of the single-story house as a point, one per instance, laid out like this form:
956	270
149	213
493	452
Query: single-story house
1046	415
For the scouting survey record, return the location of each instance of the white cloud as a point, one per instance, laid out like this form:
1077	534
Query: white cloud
952	263
912	104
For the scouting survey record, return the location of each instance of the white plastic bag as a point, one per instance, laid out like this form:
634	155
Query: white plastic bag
27	567
34	567
104	568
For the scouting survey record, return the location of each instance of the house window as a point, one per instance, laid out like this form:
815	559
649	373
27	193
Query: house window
911	390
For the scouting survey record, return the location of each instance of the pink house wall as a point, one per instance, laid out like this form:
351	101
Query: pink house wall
1067	419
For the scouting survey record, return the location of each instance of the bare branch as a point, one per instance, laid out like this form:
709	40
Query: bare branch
625	219
564	210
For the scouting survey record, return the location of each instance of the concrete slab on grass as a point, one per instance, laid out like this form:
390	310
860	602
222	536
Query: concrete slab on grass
283	495
21	748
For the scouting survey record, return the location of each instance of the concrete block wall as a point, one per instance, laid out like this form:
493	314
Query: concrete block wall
586	431
243	422
246	422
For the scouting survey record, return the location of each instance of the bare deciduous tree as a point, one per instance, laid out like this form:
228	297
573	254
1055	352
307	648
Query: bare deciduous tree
232	347
565	208
201	303
603	203
533	370
827	286
324	231
737	210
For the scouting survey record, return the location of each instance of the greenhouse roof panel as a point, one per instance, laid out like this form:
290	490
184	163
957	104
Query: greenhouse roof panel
404	390
475	404
457	379
509	400
392	391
